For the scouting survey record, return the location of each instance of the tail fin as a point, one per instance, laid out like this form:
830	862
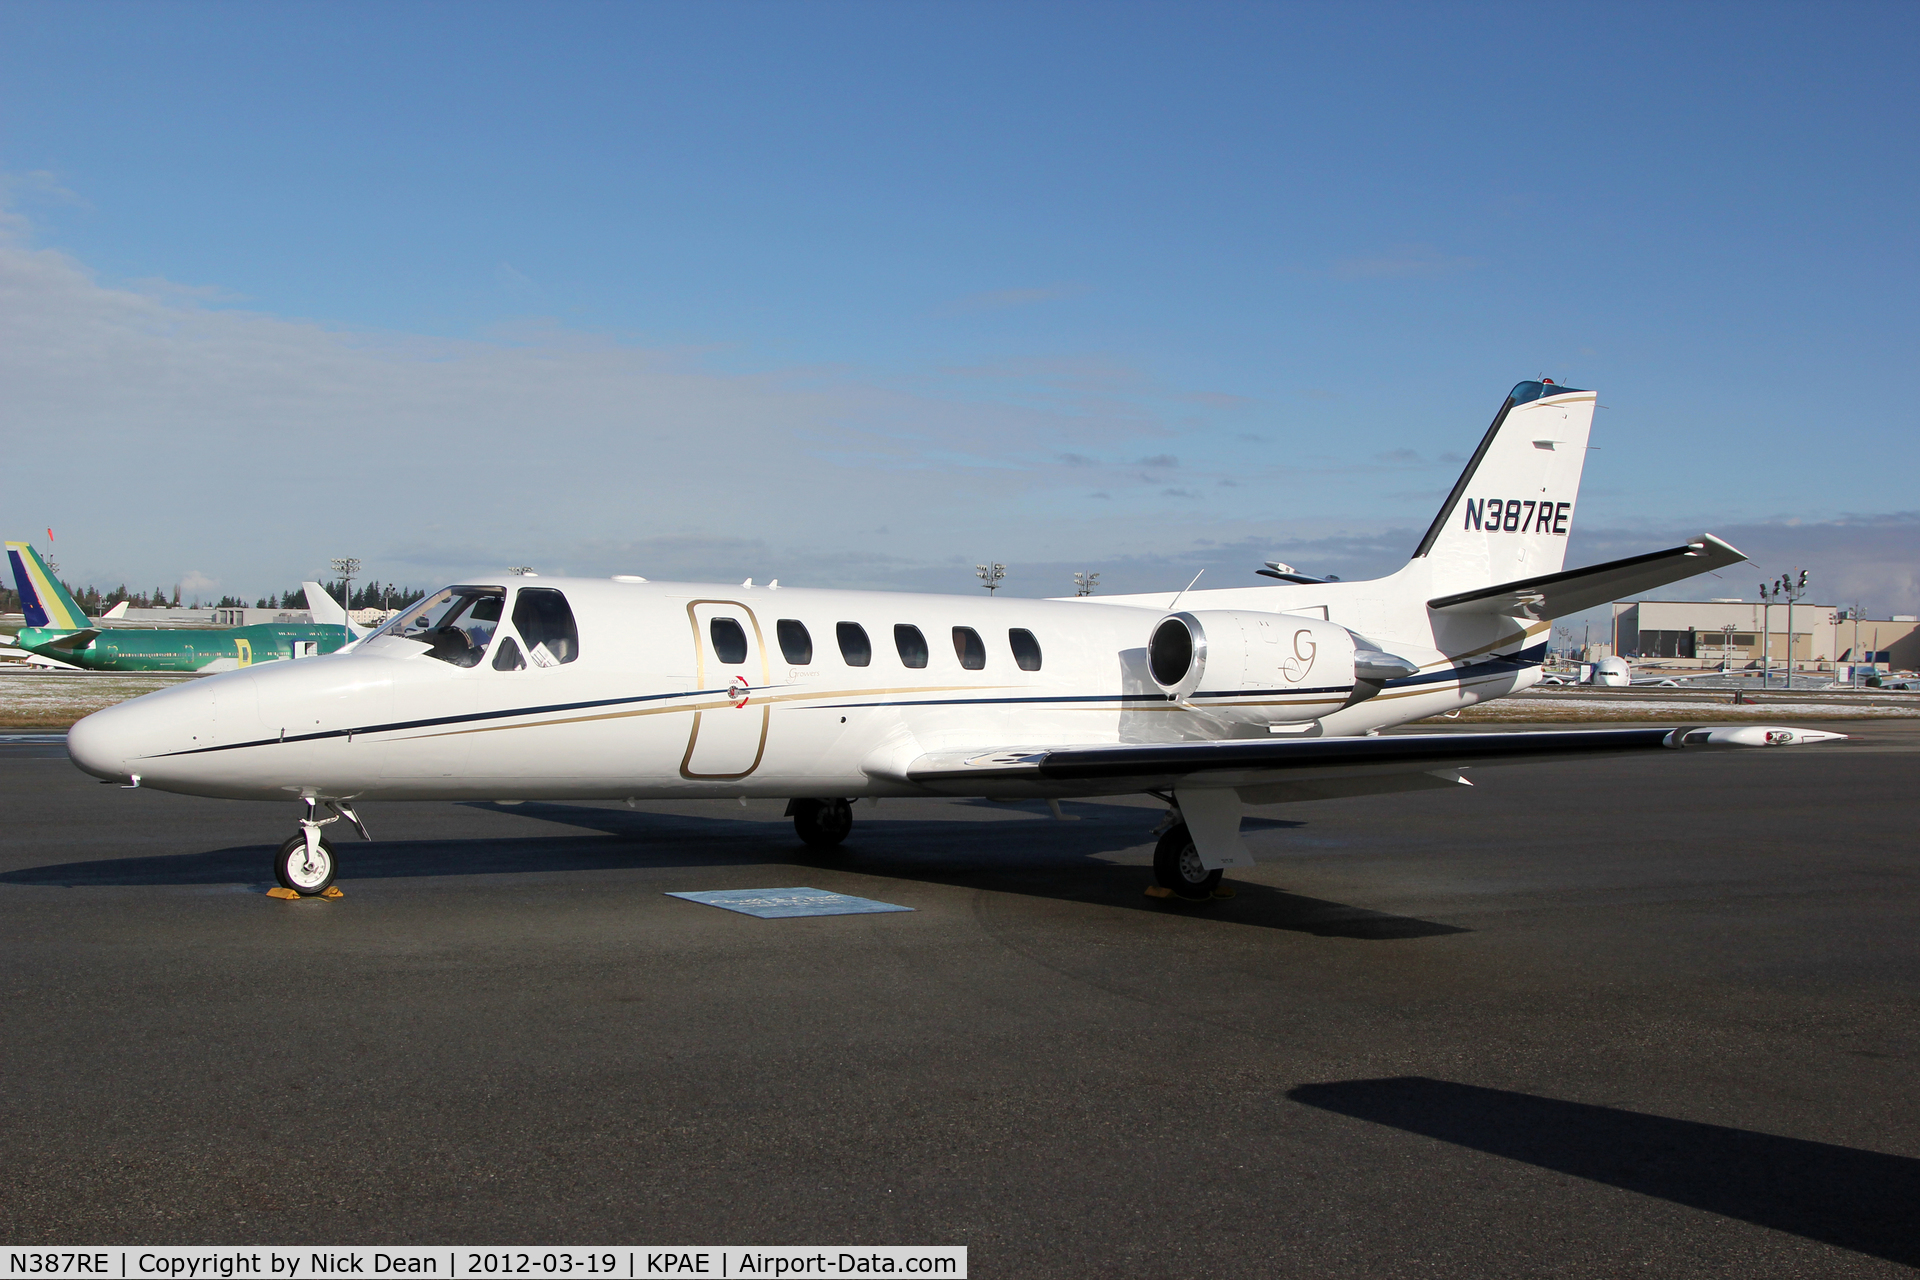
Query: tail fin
1510	511
326	610
42	599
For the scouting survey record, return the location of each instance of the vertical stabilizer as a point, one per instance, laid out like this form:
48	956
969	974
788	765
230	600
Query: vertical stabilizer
42	599
1510	512
326	611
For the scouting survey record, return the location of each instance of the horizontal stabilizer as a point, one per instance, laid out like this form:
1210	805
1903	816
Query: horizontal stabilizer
1558	594
71	640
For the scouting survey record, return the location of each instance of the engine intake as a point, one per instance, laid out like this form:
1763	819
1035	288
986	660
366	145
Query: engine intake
1205	656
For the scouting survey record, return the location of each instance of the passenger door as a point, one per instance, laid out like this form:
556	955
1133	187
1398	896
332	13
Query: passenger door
731	674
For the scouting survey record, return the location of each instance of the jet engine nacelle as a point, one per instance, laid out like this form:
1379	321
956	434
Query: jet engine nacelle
1213	652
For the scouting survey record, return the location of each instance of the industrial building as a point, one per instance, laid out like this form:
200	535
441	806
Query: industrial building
1741	633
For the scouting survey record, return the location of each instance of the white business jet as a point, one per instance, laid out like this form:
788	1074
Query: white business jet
519	688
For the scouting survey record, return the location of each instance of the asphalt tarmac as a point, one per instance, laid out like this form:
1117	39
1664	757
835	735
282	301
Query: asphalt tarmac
1651	1016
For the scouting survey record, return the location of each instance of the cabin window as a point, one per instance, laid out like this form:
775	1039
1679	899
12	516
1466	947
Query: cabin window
457	623
729	641
854	646
911	644
969	648
795	644
545	623
1026	650
507	656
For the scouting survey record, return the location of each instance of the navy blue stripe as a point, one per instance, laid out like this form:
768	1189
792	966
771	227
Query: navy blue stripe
1499	666
468	718
1242	693
985	702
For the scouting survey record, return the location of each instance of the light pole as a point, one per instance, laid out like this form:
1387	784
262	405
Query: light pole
519	570
990	575
1766	637
1083	583
347	568
1856	644
1793	588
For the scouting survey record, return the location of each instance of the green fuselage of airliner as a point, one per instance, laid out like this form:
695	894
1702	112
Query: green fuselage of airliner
133	649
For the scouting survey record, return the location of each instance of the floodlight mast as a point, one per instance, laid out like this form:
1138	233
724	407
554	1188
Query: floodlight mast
347	568
1083	583
990	575
1793	585
520	570
1766	633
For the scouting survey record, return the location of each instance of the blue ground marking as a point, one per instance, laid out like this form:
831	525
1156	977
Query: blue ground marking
778	904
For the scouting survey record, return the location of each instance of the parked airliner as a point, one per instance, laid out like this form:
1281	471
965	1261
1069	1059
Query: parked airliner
518	688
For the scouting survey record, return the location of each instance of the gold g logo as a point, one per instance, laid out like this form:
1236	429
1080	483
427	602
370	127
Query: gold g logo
1295	669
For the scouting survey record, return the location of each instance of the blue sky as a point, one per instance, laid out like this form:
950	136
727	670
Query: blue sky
862	294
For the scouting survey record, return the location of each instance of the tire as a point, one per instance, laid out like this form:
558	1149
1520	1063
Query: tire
290	869
822	824
1176	865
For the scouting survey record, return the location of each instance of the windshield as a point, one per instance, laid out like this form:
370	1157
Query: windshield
458	622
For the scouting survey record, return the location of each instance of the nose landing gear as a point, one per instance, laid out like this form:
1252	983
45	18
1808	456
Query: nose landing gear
305	864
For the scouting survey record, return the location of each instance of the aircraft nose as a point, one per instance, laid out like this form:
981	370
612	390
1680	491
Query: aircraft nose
99	744
133	737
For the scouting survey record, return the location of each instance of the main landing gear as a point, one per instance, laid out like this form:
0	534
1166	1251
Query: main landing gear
1176	865
305	864
822	824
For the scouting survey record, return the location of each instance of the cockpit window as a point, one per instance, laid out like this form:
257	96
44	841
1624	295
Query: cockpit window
457	622
545	624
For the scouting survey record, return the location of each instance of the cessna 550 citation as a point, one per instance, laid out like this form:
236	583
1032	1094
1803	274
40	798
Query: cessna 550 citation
526	688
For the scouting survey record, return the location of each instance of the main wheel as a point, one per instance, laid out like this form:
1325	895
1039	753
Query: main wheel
1176	865
822	823
308	878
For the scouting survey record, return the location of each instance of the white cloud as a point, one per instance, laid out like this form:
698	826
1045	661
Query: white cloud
158	424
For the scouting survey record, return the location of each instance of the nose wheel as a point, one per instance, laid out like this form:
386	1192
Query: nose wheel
305	864
308	872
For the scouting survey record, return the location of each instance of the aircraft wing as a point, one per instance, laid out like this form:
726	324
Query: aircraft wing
1656	676
1266	771
1555	595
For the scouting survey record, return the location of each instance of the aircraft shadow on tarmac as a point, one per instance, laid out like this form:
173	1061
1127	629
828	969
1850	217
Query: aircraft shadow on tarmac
1061	861
1859	1200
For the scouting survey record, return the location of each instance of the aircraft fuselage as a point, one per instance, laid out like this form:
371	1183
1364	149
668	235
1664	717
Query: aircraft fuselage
184	650
674	689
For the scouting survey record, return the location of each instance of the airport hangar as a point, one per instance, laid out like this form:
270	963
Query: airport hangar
1740	632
